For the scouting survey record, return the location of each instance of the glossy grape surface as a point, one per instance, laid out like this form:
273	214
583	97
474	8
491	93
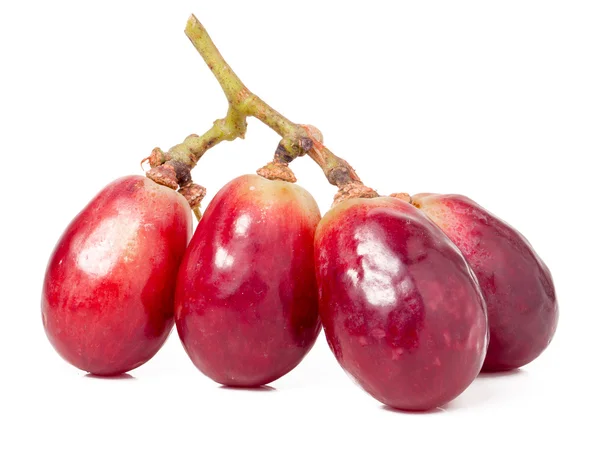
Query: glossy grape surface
401	309
246	302
516	284
107	301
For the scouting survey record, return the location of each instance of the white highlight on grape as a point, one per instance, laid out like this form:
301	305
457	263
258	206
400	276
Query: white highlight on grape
114	238
223	260
380	268
241	225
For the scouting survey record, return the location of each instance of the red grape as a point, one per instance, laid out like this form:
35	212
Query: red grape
516	284
107	302
246	305
401	309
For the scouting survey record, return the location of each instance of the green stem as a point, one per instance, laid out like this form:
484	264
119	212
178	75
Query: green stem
230	83
297	140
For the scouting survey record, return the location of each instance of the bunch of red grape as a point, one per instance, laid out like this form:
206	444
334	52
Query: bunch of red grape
416	295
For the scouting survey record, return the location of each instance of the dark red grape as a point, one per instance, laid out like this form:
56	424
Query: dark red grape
400	306
516	284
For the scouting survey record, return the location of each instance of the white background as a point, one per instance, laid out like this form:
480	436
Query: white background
499	101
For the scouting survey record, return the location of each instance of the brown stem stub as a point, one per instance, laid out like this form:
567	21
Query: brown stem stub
277	171
164	175
354	190
172	174
157	157
402	196
193	193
